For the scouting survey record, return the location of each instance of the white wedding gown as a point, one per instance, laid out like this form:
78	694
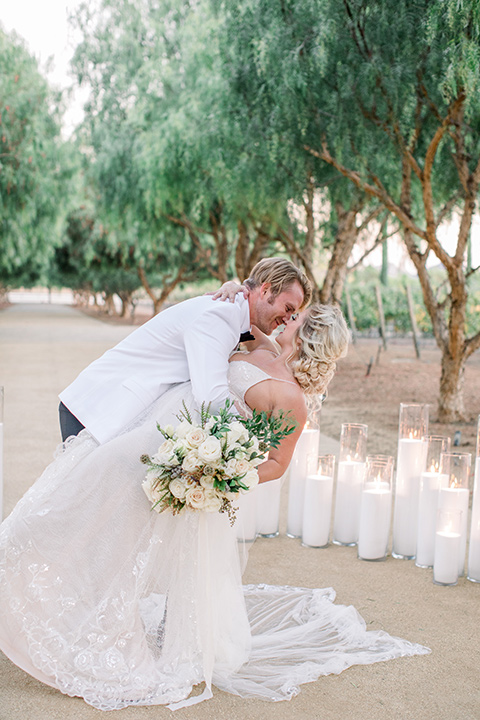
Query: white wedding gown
104	599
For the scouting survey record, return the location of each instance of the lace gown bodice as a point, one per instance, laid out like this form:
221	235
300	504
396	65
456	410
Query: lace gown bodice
103	599
242	375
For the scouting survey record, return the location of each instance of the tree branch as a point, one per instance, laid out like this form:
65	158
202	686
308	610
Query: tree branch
378	192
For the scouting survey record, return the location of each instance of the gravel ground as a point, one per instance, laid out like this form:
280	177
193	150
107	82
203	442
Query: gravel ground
43	347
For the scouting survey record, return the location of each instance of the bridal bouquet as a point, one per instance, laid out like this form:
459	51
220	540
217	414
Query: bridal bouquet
204	465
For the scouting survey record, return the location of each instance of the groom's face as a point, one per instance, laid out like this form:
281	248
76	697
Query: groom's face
268	312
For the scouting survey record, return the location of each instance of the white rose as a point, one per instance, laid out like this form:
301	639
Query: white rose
210	423
177	488
195	497
191	461
169	430
182	429
250	479
237	432
212	502
256	461
206	481
165	454
254	443
210	450
182	447
242	466
230	468
196	436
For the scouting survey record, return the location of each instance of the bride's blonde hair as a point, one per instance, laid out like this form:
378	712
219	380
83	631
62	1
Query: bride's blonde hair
320	341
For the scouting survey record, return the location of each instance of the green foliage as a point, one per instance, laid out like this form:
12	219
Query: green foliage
36	167
395	307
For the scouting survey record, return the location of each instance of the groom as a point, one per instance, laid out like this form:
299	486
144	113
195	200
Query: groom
189	341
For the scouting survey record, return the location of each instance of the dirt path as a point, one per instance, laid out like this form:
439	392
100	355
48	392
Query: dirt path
43	347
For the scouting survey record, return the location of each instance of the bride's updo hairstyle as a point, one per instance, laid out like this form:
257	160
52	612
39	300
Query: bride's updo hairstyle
321	340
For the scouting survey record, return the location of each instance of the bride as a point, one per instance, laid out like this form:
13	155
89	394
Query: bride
106	600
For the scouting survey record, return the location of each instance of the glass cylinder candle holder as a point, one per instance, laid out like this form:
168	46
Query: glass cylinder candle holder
375	508
268	507
474	545
411	457
317	509
455	495
431	480
351	467
246	516
447	547
303	463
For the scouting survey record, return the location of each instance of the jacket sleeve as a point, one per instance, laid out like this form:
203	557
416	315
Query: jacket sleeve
209	341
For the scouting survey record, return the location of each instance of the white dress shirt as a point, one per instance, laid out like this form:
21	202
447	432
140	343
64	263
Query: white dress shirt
189	341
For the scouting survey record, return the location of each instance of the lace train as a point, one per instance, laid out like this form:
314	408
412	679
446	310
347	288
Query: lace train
106	600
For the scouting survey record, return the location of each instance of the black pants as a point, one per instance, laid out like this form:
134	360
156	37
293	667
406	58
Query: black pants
69	425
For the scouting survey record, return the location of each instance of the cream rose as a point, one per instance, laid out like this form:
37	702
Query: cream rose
195	497
212	501
182	429
164	454
230	468
250	479
242	466
177	488
237	432
191	461
196	436
210	450
206	481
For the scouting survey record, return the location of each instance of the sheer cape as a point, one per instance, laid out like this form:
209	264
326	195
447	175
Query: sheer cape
104	599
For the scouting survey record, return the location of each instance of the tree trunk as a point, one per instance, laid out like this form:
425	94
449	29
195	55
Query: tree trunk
451	407
126	300
334	281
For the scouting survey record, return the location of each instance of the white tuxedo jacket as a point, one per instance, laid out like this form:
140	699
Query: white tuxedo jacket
189	341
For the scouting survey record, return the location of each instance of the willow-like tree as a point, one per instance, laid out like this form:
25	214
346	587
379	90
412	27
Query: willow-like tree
404	128
34	167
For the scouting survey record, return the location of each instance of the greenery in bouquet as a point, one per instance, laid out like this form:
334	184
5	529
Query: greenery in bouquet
205	465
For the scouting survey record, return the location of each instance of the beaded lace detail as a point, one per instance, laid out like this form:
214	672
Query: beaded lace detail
106	600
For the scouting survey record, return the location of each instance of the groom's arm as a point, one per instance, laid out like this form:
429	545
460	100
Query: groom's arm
209	341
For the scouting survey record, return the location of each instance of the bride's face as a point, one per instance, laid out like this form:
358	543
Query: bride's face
287	335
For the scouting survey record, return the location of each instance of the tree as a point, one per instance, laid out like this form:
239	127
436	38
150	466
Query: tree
406	131
274	97
35	166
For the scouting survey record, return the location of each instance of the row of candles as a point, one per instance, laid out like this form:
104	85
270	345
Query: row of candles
431	498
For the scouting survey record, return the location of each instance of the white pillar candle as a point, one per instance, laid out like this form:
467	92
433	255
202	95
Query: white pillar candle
445	562
303	463
268	507
410	465
347	502
474	546
452	499
246	516
317	510
374	525
430	484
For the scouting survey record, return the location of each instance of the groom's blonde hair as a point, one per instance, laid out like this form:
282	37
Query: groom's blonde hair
281	274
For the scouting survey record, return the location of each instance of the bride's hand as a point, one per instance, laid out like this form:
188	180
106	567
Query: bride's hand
229	290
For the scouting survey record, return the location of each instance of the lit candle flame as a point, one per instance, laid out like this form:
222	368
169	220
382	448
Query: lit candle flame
434	466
